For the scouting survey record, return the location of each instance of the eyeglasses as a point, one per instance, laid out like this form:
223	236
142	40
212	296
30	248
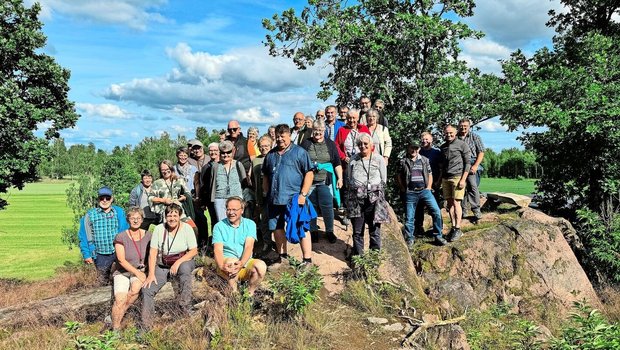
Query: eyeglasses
166	171
196	147
233	129
232	210
136	219
222	152
105	198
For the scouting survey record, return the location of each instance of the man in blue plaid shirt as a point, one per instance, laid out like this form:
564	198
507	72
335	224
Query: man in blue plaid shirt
97	231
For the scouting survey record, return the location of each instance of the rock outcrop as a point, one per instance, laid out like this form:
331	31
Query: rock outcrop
522	262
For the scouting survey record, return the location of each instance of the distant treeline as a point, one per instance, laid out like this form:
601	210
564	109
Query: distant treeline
81	159
512	163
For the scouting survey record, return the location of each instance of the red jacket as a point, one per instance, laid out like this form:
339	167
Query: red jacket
342	135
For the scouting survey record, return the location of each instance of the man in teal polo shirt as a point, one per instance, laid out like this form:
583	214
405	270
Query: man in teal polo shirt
233	243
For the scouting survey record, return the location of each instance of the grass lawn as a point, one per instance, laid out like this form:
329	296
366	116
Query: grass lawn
524	187
30	231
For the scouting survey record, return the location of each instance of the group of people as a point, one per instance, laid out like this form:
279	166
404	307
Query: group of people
334	164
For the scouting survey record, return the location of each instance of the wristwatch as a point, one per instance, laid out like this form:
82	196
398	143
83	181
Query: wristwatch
303	194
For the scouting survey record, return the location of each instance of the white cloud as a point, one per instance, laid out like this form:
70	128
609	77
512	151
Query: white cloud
255	115
515	23
485	47
213	88
135	14
105	110
105	134
180	129
492	125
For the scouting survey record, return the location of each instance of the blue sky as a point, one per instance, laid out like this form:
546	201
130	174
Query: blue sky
141	67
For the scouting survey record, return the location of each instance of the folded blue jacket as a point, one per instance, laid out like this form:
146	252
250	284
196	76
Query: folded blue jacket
298	219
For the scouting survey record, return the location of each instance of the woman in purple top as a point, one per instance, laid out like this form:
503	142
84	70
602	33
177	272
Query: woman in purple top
131	248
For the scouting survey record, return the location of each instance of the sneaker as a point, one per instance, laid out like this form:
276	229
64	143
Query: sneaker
306	264
315	236
345	221
331	237
440	241
456	235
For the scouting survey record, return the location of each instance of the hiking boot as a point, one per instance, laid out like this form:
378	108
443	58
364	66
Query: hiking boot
450	234
440	241
410	244
456	234
331	237
315	236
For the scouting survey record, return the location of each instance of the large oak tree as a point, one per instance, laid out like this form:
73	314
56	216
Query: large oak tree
33	92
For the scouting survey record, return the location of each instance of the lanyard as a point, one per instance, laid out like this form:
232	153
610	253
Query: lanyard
367	170
136	246
170	188
351	134
228	175
176	231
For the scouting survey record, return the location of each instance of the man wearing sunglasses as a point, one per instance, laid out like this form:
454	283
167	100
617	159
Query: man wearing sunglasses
240	153
97	231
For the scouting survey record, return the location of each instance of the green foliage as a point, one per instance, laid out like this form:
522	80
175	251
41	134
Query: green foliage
72	327
572	91
366	266
404	52
152	150
107	341
600	234
294	292
511	163
33	90
81	196
589	330
497	328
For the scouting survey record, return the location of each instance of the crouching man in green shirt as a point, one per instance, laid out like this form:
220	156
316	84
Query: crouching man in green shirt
233	242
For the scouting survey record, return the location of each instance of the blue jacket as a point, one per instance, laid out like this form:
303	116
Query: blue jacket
337	125
85	234
298	219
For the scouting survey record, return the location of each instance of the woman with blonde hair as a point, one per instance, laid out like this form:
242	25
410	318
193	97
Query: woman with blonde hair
131	248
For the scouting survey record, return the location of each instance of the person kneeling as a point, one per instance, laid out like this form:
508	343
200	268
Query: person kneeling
233	242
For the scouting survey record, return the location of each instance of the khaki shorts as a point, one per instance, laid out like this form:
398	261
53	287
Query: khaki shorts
450	188
123	282
243	275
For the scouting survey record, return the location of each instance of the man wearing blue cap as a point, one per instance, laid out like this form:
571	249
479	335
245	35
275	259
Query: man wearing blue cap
97	231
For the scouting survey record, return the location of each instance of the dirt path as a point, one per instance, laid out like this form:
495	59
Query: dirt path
329	257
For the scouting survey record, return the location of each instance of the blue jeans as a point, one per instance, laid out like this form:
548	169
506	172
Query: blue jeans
321	197
103	263
411	199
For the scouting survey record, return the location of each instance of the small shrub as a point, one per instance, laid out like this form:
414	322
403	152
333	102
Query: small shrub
366	266
601	236
294	292
72	326
589	330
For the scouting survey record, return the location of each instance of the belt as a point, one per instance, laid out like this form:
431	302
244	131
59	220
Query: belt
418	189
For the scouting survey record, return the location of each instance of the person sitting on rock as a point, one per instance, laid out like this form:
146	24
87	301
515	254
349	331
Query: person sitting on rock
233	244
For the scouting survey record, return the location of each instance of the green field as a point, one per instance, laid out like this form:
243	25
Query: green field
30	231
524	187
